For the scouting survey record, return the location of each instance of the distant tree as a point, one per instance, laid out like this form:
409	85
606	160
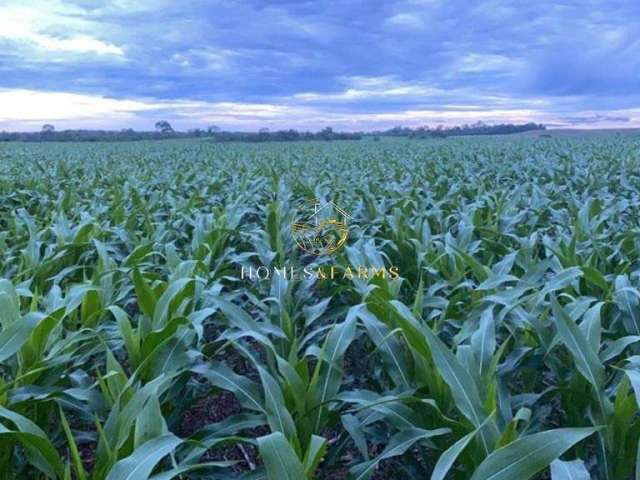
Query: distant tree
263	131
438	132
128	134
213	129
326	133
48	128
478	128
164	127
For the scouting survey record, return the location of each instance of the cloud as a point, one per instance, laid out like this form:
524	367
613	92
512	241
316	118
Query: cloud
78	44
29	109
486	62
371	88
39	106
209	58
406	20
31	27
300	64
595	119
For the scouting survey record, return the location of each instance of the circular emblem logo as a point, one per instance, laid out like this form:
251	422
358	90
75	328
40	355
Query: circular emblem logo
321	228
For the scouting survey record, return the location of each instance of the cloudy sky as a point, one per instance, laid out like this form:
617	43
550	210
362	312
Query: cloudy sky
351	64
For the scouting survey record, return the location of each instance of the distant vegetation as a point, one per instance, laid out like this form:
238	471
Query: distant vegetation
164	130
264	135
479	128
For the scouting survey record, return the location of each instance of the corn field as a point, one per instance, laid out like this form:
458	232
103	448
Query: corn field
506	346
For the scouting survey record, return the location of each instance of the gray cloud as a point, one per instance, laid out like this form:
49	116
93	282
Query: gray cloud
550	60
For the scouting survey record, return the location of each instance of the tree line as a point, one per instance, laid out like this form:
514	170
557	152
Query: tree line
164	130
478	128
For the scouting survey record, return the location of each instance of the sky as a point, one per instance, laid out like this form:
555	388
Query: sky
349	64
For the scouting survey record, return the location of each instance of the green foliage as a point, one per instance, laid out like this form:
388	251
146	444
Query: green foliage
134	346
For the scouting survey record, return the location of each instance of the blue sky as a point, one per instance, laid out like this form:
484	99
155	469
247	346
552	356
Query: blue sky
353	65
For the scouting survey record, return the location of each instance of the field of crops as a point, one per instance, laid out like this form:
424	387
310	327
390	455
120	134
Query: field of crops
499	342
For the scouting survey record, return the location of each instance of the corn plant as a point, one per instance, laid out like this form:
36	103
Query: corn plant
489	328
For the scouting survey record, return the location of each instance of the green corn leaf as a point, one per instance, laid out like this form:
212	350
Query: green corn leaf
169	301
483	341
328	375
595	277
278	416
449	456
38	448
16	334
129	336
628	299
586	359
9	303
73	448
149	423
313	455
178	471
527	456
280	459
145	295
140	464
389	347
637	476
463	387
398	444
138	254
223	377
353	426
574	470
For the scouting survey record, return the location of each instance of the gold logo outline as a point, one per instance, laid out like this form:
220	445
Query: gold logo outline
322	236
